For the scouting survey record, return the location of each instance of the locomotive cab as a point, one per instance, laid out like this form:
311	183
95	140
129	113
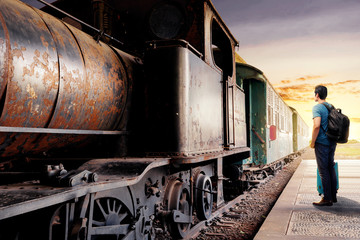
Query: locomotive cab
193	104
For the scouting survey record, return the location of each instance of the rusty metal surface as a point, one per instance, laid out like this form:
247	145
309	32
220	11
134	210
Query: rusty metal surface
72	77
185	114
54	76
32	82
4	55
240	119
105	90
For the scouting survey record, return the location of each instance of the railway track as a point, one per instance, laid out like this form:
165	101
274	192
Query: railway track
241	217
228	210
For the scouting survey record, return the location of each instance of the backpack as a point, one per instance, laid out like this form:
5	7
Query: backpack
338	125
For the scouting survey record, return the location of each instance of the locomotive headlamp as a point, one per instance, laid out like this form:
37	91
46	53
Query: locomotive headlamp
166	21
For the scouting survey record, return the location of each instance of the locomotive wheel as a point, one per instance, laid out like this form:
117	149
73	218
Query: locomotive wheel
61	226
179	199
204	197
50	223
110	212
58	223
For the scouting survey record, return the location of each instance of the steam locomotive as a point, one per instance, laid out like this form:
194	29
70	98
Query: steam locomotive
122	117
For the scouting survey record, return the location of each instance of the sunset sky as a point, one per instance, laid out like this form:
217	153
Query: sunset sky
300	44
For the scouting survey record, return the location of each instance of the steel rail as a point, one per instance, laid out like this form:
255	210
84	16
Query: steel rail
195	230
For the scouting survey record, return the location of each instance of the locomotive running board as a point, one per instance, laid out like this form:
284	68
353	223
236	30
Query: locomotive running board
25	197
212	155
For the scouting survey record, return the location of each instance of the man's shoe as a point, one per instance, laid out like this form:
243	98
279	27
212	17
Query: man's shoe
323	202
334	200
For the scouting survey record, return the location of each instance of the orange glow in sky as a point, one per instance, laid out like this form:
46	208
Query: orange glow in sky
300	44
296	66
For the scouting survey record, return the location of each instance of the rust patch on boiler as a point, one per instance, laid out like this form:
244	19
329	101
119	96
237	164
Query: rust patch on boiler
5	54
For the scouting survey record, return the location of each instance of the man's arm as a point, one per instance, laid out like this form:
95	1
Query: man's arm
315	131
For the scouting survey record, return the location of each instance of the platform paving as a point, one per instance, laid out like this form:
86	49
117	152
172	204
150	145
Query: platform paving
295	217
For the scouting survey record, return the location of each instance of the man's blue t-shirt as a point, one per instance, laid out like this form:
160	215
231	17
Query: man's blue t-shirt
319	110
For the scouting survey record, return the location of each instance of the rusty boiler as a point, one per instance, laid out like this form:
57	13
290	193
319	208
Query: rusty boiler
55	77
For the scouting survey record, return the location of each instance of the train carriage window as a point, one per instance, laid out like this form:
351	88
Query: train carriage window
270	100
289	121
270	93
280	115
286	120
221	49
269	114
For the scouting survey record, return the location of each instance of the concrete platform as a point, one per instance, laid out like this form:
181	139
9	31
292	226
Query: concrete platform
294	216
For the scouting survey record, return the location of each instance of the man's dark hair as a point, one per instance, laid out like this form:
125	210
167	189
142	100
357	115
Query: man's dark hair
322	91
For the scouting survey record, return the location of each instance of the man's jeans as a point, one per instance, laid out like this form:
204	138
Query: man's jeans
325	162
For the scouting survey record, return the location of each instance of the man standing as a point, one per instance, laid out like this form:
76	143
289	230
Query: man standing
324	148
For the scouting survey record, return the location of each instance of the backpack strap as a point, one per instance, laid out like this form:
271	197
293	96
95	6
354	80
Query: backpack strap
328	108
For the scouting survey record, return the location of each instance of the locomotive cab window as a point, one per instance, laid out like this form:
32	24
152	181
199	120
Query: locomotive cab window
221	49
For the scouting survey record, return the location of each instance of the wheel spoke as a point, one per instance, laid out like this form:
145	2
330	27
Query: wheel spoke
110	217
108	205
120	206
114	206
101	208
98	223
122	216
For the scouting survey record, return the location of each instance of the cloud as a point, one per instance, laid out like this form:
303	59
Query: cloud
348	87
290	90
308	78
300	93
284	82
300	79
343	83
